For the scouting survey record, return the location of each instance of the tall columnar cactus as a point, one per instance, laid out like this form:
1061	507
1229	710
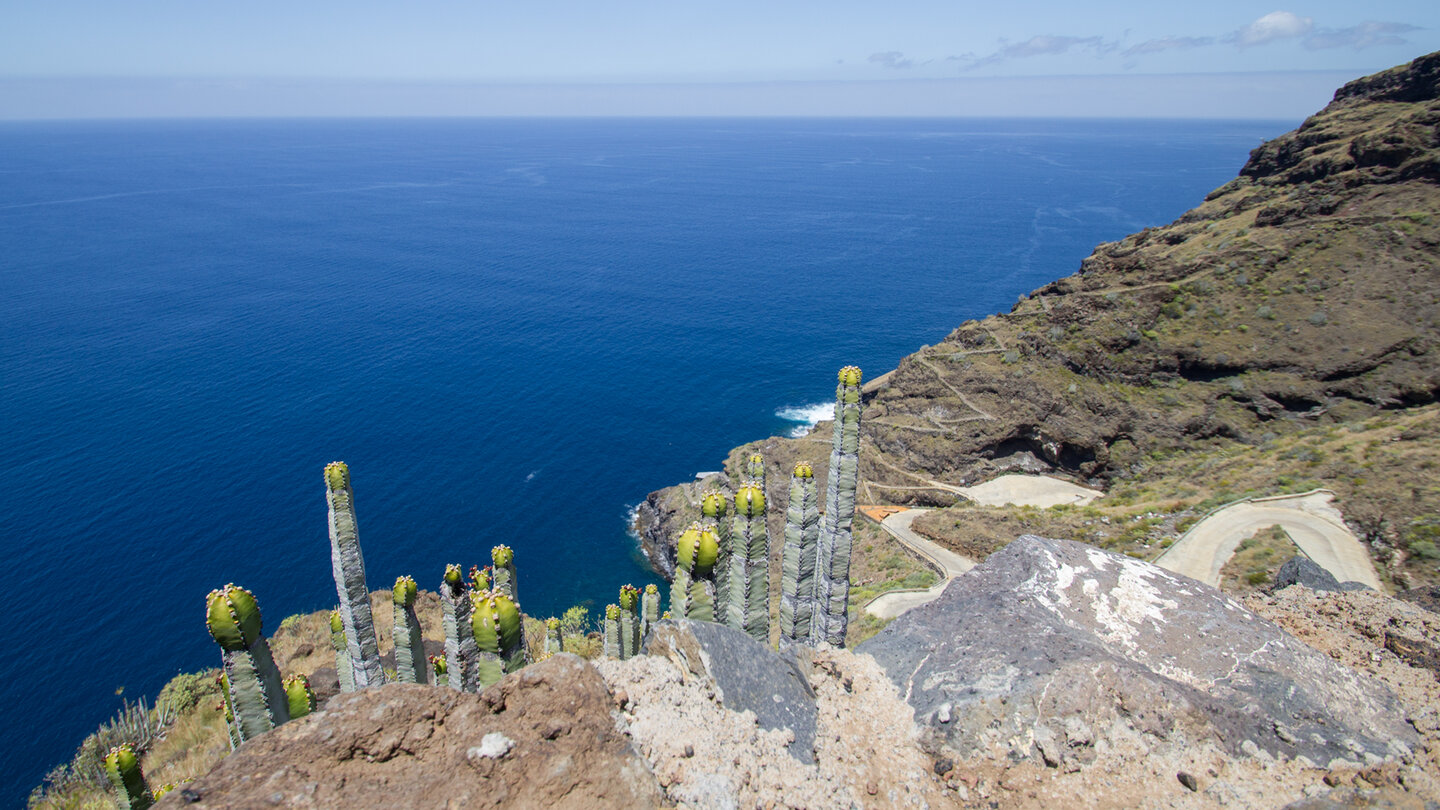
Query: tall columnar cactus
343	668
715	509
499	636
797	561
611	632
629	621
348	567
122	768
409	644
504	559
832	592
649	609
755	469
460	650
749	578
692	594
256	695
299	696
553	642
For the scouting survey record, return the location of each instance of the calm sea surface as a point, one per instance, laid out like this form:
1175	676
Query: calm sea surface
511	330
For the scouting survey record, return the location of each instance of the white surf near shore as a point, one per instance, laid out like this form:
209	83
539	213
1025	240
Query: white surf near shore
806	415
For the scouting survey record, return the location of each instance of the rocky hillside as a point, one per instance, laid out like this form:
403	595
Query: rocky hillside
1303	294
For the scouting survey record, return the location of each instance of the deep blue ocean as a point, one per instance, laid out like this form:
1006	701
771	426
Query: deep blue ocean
512	330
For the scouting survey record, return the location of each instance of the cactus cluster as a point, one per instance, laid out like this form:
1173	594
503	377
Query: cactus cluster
122	768
256	696
748	566
409	644
830	618
797	561
348	567
460	650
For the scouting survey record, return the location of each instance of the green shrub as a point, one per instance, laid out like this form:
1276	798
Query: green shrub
186	690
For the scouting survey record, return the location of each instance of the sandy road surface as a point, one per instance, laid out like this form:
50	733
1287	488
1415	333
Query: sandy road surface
1312	522
890	605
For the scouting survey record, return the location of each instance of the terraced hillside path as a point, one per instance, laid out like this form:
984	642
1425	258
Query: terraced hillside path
1310	519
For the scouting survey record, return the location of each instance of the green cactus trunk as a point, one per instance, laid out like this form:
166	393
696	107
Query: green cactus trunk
122	768
629	621
831	617
612	633
461	653
410	663
715	509
230	727
749	582
343	668
257	697
299	695
348	567
554	644
499	636
504	582
649	609
797	562
696	554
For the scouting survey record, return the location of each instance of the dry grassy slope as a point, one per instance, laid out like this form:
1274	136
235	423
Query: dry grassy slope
1302	294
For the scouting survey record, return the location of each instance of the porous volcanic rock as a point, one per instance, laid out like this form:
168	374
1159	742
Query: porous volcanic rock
541	738
1050	645
1303	571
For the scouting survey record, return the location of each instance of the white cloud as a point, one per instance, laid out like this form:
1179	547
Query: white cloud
1042	45
1273	26
1168	44
892	59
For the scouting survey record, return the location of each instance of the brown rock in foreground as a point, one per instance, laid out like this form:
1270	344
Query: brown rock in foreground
542	737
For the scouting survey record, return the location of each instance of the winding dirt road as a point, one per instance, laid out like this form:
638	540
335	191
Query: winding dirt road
1312	522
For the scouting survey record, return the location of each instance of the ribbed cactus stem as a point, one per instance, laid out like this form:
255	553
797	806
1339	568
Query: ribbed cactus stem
611	637
553	642
299	695
230	727
755	469
832	593
629	621
695	556
122	768
257	697
460	650
797	561
748	593
504	581
715	509
499	636
410	665
348	567
343	668
649	609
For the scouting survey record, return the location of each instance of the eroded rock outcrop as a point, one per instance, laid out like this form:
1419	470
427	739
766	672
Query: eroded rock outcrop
1051	646
541	738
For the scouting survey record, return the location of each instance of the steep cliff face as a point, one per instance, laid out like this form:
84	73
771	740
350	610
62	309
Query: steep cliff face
1303	292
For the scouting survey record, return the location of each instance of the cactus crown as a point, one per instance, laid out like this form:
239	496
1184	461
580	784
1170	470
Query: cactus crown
750	499
405	591
437	663
850	376
714	504
495	620
612	612
697	548
337	476
337	625
233	617
651	589
480	578
552	623
502	555
629	597
121	757
803	470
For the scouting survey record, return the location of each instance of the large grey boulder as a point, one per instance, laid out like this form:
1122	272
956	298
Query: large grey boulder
747	675
1303	571
1050	644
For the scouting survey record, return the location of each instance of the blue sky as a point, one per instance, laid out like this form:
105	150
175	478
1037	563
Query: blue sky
65	58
